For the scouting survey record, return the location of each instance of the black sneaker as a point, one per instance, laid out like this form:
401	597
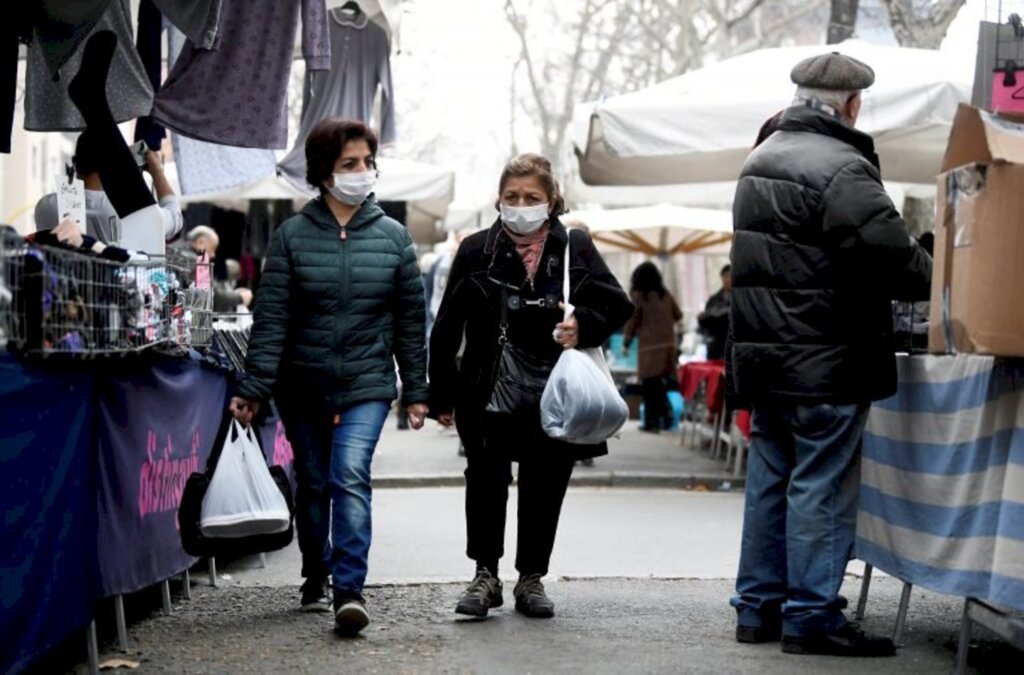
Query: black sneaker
350	616
316	597
849	640
760	634
483	593
531	599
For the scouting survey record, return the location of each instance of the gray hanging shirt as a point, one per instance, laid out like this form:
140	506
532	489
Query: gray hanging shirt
360	63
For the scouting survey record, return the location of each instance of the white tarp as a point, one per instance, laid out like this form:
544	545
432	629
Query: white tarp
699	127
427	190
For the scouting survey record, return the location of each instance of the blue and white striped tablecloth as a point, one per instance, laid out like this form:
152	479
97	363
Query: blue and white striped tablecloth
942	493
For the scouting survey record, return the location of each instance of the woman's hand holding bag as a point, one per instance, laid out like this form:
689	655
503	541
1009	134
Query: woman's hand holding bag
580	403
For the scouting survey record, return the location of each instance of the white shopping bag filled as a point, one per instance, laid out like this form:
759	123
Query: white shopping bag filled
580	403
243	500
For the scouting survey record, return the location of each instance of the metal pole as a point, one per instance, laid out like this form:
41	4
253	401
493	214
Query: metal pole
862	602
186	580
963	647
93	649
213	571
901	615
122	626
165	592
263	560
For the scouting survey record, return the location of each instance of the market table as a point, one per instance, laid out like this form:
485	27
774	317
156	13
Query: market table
942	492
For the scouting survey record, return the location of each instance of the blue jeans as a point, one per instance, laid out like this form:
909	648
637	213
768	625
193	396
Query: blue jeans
355	439
799	520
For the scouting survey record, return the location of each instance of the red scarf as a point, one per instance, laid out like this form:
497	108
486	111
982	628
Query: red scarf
530	248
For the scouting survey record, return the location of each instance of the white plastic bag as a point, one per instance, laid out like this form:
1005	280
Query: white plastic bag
580	403
243	500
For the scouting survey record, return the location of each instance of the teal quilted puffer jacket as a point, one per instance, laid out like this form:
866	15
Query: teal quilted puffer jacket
333	315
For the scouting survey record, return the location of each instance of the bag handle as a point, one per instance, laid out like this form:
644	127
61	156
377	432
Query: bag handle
569	309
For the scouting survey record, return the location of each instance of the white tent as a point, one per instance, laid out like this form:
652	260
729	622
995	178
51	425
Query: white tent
660	230
427	189
699	127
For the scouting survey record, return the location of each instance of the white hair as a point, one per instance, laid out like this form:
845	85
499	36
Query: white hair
836	99
204	231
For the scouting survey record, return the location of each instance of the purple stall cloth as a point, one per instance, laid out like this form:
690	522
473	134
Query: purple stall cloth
237	93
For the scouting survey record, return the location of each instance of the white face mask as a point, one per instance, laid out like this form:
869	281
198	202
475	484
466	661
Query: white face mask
353	188
524	219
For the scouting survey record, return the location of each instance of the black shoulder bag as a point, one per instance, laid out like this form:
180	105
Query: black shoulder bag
521	376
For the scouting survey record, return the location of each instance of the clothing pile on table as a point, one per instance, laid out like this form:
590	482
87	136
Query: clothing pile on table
230	344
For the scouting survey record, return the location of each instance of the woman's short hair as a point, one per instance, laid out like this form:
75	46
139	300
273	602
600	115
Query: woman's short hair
531	164
326	141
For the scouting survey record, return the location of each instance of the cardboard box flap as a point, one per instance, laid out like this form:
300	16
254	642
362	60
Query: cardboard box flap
980	136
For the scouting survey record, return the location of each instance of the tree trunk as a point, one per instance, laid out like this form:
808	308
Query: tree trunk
842	20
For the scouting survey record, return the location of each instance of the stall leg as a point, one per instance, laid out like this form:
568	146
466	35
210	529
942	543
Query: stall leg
263	561
213	571
865	585
122	626
964	643
93	648
165	592
186	582
901	614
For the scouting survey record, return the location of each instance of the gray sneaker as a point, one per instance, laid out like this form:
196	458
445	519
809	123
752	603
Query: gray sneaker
531	600
350	617
316	597
483	593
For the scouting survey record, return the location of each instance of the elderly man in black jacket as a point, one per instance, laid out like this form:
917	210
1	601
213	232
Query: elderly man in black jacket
819	254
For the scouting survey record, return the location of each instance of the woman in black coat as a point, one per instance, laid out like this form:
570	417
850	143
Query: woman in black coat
504	292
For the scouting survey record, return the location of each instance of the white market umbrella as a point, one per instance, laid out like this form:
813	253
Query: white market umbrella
660	230
700	126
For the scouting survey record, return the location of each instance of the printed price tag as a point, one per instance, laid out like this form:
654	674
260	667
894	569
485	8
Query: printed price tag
71	200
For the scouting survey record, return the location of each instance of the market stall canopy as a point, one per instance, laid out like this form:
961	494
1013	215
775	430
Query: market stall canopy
427	190
699	127
660	230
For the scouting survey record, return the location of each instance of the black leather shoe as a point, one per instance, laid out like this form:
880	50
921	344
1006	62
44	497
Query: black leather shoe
760	634
849	640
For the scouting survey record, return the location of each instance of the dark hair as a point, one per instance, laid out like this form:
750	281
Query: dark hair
725	270
770	126
647	280
325	143
88	150
530	164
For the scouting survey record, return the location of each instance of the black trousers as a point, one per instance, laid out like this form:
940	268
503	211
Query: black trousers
542	485
656	409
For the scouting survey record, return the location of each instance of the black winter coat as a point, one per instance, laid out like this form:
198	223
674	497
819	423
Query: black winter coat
819	253
332	316
485	262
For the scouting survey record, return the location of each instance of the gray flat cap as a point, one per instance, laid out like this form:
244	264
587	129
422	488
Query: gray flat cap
833	72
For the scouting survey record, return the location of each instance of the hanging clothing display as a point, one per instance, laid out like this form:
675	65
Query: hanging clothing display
237	93
62	26
211	167
360	64
149	36
47	104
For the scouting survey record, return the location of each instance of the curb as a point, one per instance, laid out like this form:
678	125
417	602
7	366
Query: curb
714	483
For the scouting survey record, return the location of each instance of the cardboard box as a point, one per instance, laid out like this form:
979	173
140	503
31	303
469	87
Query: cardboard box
978	279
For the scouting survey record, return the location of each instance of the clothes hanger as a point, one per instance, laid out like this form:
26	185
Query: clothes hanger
352	6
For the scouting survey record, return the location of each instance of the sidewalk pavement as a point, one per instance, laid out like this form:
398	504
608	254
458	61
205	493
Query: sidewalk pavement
429	458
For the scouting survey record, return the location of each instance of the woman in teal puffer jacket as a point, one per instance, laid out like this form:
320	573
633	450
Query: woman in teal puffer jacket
341	300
